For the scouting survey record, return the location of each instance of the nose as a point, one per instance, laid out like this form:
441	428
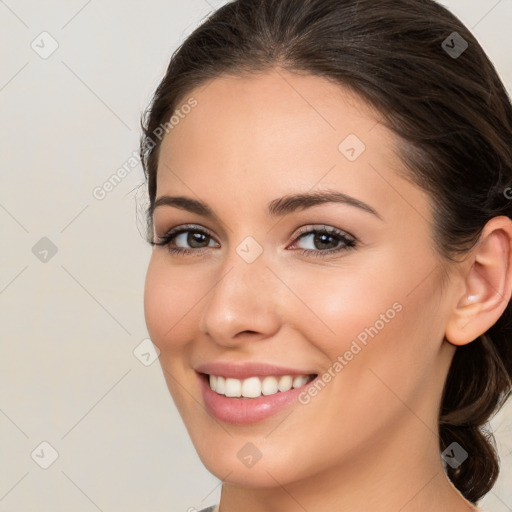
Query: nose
242	305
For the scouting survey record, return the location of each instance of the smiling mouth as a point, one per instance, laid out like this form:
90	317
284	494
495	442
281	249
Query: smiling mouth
255	387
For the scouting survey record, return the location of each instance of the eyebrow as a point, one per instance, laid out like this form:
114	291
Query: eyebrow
276	208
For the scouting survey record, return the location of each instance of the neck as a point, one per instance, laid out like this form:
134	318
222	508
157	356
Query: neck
403	474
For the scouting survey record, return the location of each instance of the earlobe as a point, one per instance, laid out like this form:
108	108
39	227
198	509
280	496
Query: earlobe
487	284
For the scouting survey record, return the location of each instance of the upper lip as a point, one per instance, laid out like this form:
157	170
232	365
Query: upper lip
245	370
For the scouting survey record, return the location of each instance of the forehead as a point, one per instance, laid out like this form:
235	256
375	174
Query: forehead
278	132
276	104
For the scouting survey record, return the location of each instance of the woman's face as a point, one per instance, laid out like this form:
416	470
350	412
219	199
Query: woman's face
261	295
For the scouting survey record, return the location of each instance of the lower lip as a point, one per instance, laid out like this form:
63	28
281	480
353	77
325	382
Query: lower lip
247	410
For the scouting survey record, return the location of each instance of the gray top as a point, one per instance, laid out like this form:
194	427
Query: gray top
215	508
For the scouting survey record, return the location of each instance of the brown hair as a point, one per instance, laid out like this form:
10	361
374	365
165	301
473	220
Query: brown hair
454	120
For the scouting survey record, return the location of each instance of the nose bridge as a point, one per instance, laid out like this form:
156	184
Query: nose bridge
241	298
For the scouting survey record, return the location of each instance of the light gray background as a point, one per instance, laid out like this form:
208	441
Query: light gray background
69	325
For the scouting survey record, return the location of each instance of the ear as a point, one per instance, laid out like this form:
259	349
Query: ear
487	284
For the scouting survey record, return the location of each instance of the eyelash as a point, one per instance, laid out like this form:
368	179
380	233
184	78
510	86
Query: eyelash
349	242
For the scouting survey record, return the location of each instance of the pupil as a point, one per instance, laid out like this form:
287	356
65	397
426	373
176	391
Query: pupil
195	238
323	238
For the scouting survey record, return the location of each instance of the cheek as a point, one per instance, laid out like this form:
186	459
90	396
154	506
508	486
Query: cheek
378	317
382	353
168	304
339	305
167	309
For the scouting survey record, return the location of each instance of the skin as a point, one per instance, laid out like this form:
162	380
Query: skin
368	440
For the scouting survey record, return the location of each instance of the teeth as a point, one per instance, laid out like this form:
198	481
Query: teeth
220	386
253	387
269	386
233	387
285	383
213	382
300	381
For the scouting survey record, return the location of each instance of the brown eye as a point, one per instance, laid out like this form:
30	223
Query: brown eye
185	239
324	241
194	238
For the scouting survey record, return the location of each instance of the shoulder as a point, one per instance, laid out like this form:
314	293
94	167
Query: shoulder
213	508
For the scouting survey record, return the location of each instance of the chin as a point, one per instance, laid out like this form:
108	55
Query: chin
238	460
